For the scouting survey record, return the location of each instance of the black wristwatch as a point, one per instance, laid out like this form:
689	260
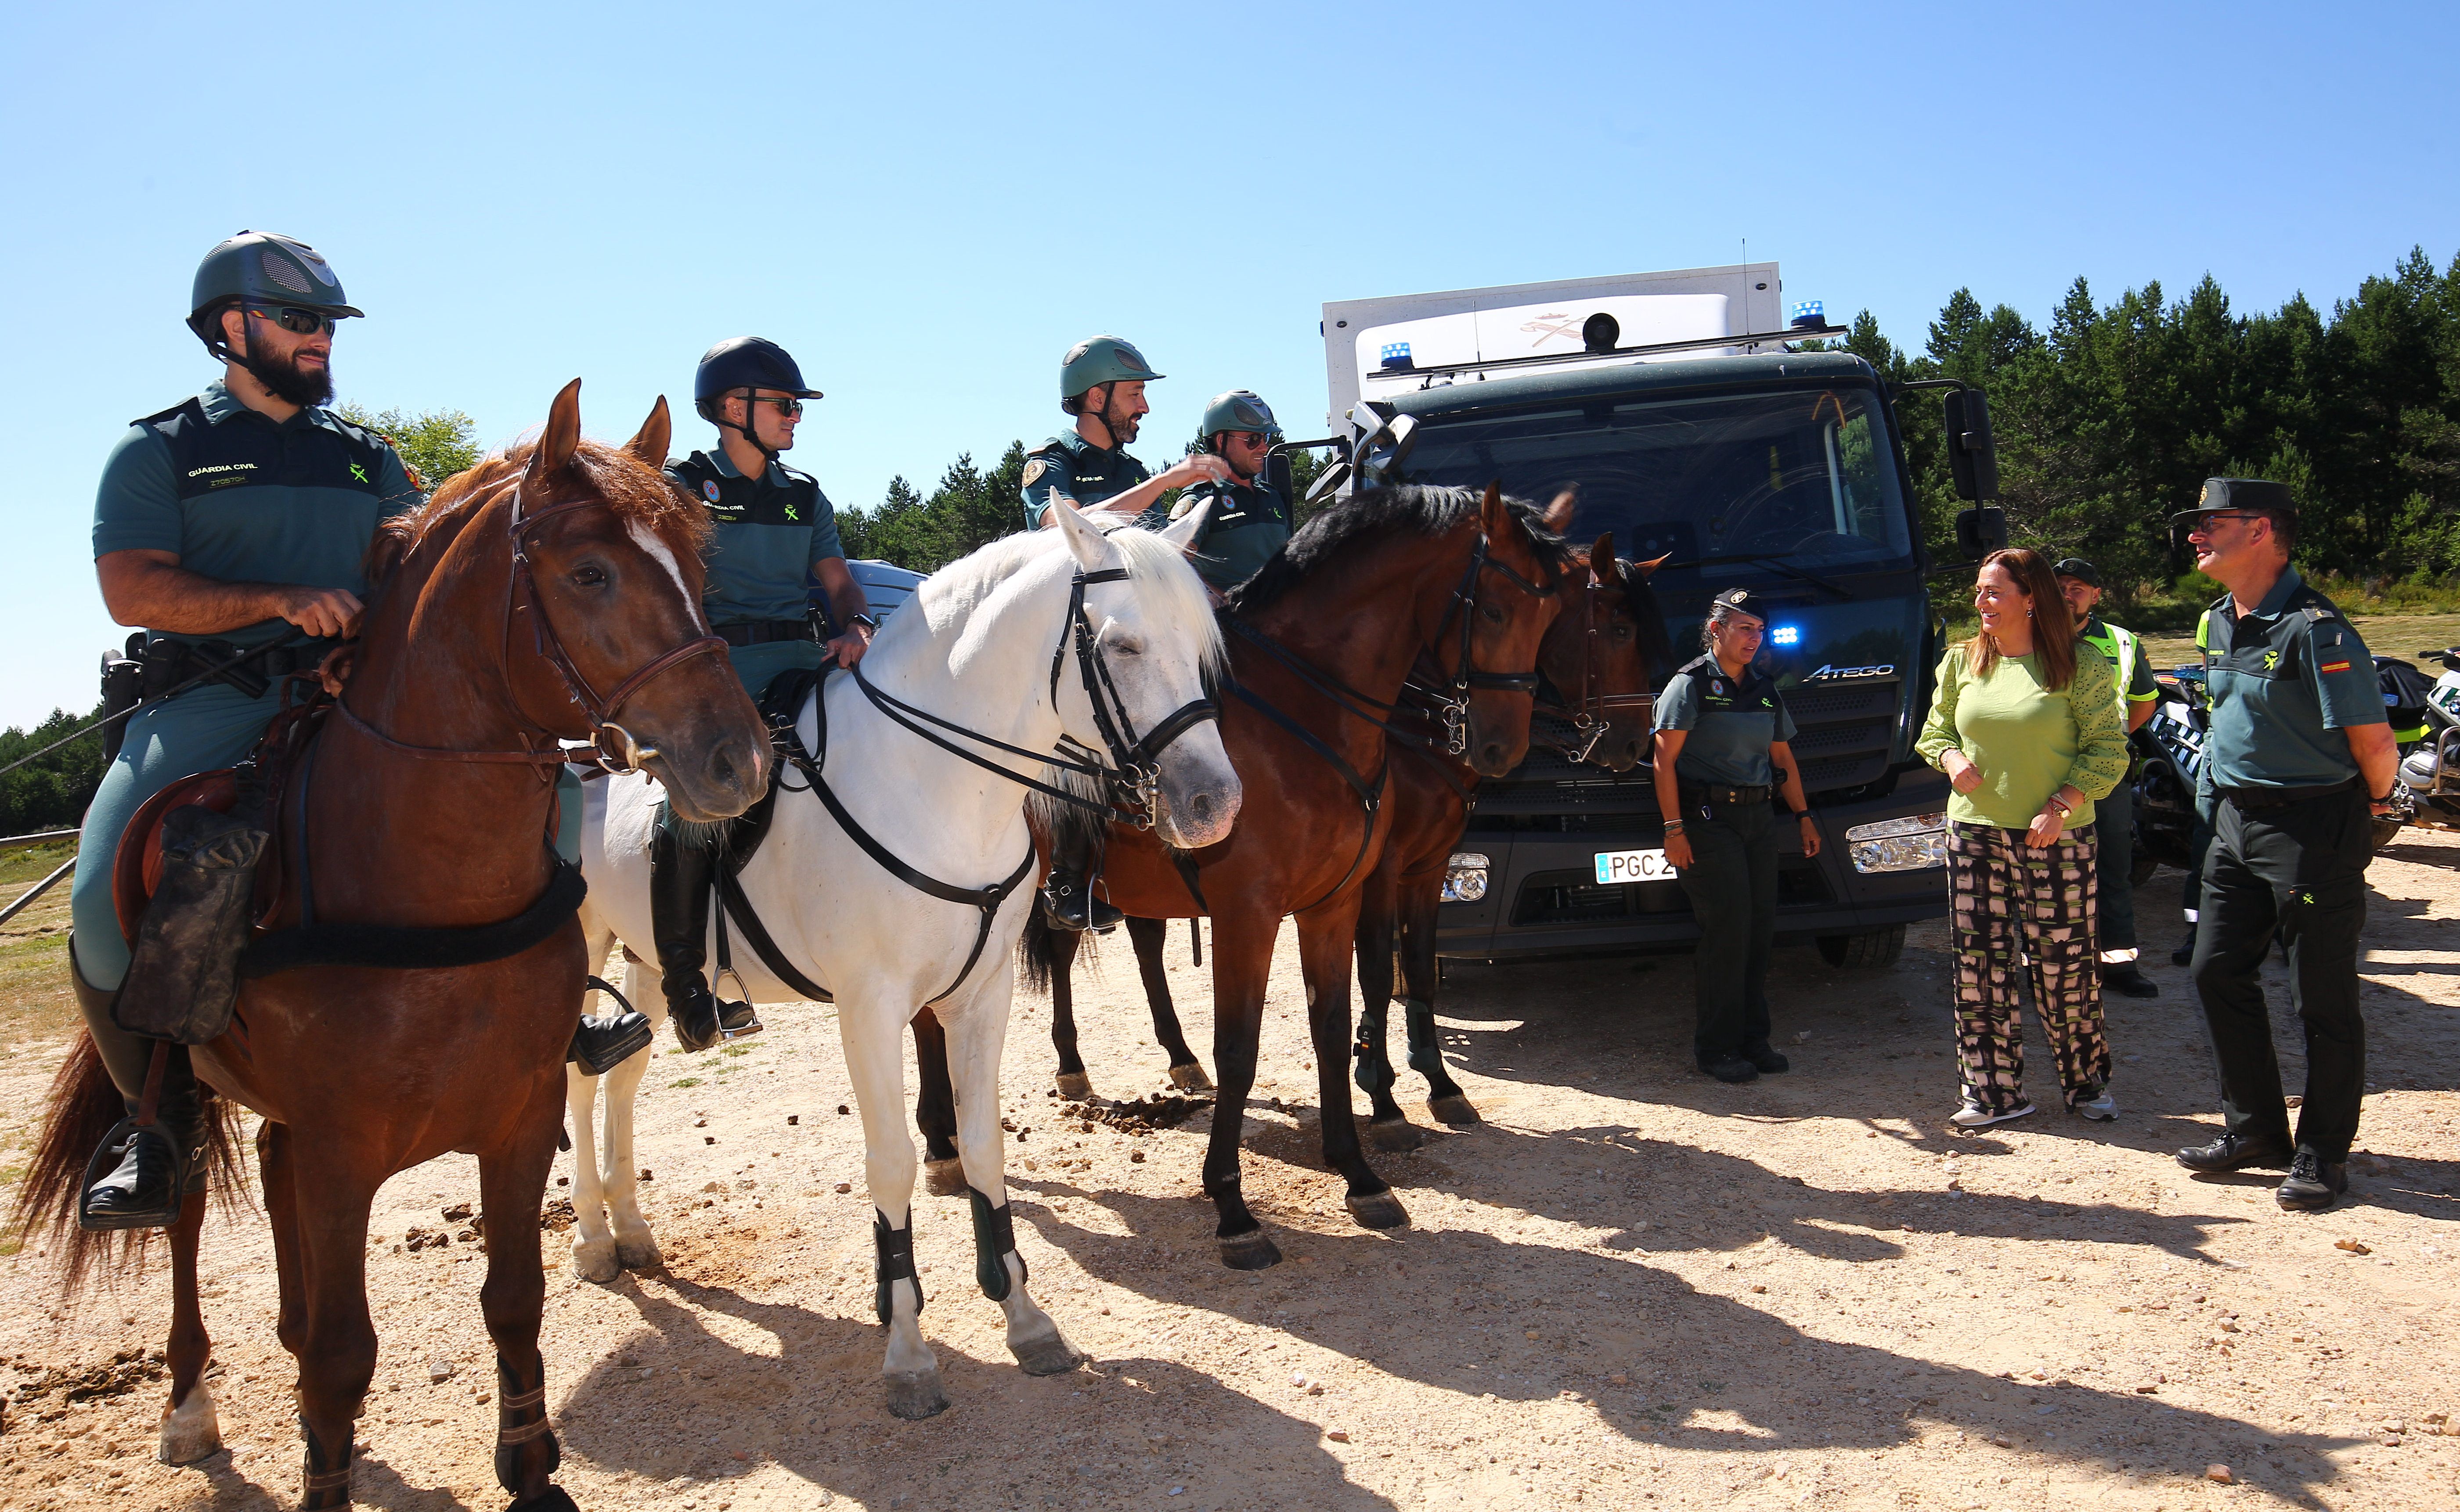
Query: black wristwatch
865	620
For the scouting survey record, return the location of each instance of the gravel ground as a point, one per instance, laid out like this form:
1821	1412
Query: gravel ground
1633	1287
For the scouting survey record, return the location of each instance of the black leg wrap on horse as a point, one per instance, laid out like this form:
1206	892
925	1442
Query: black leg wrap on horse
1426	1050
893	1260
994	1238
520	1416
1374	1073
325	1479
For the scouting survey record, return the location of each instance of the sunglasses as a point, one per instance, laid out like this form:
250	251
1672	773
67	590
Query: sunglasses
298	322
790	408
2204	521
1252	438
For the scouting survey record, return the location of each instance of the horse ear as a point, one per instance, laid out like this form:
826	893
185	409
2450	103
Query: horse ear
562	437
1181	532
1492	511
657	433
1648	567
1558	513
1602	563
1085	544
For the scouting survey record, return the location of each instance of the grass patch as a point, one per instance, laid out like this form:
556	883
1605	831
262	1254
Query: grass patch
734	1050
687	1081
35	1001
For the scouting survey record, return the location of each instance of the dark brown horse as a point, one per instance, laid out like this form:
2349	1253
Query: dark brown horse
501	609
1322	639
1602	656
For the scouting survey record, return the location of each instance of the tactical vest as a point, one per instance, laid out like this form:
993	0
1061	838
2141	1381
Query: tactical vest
208	458
733	499
1720	694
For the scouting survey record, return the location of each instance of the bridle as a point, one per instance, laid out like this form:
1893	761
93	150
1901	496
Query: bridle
611	745
1131	779
1452	702
1592	709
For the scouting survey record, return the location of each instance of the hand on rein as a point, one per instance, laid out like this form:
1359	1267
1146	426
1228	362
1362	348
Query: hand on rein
334	670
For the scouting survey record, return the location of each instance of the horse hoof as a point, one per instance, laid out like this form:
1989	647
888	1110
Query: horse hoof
1048	1355
1453	1111
1249	1252
1190	1078
597	1262
945	1178
1075	1085
639	1255
1394	1134
916	1395
191	1430
1378	1211
550	1500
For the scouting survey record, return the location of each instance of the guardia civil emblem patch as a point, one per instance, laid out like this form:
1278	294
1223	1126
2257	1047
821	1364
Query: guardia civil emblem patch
1034	469
710	491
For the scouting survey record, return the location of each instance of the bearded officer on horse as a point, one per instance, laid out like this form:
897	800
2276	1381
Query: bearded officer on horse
773	531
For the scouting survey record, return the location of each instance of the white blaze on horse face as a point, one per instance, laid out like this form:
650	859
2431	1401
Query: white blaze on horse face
648	541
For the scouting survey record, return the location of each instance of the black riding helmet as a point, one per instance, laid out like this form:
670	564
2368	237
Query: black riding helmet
740	364
263	269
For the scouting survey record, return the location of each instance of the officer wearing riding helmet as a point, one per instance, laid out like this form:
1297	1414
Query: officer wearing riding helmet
2115	816
1248	520
773	530
231	524
1723	751
1102	382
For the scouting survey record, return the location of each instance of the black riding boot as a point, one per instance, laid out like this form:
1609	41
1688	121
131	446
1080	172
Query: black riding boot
680	879
1068	897
603	1041
142	1172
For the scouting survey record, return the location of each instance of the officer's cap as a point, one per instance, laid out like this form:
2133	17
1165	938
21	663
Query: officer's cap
1740	600
2079	569
2243	493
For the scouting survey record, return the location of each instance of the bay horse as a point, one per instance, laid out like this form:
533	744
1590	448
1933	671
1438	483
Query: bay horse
921	775
532	581
1322	639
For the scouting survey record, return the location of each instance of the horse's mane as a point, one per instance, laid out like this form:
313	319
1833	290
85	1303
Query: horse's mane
635	491
965	583
1424	509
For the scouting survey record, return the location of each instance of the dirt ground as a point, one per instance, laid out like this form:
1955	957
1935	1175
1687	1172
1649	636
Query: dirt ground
1632	1288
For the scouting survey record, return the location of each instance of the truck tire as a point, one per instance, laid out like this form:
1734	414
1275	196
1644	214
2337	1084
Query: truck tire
1878	947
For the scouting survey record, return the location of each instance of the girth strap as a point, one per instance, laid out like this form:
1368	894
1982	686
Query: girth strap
1371	796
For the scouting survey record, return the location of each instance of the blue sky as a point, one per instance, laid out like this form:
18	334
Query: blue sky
928	205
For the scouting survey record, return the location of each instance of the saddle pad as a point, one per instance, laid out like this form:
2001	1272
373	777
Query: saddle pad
136	871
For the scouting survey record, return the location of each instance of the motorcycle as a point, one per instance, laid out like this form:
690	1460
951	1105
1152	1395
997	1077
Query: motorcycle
2429	767
2169	760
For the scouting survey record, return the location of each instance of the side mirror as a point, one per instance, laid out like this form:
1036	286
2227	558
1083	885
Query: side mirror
1277	472
1972	457
1328	482
1980	532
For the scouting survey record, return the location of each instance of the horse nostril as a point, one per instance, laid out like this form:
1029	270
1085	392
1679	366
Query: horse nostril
1200	807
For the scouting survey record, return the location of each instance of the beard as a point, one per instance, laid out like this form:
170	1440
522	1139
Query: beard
1123	428
284	380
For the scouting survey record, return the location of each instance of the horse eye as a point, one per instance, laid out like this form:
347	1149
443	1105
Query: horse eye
1492	612
1622	632
589	575
1127	647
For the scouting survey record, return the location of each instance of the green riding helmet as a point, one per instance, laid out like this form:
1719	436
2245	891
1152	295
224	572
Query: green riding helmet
1238	410
262	268
1100	359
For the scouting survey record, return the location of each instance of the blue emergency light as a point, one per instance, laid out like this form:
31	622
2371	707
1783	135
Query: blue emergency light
1396	356
1784	635
1810	312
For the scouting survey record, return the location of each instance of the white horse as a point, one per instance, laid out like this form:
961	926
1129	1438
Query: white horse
976	646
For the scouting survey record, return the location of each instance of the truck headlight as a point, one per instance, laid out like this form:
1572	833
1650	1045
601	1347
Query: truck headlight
1911	844
1465	877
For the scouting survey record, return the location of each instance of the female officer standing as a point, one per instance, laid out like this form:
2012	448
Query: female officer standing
1721	746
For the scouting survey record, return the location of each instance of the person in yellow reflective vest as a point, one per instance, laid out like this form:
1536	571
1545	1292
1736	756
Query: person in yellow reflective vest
2080	582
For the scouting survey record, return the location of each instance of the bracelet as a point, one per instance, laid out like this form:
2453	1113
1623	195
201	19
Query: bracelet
1674	826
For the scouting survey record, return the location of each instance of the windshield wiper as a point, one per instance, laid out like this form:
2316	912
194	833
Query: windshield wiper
1781	565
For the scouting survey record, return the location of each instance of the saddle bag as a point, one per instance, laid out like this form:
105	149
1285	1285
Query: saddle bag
183	977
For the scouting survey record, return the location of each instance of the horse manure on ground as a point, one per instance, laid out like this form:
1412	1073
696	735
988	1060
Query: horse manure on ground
1156	1110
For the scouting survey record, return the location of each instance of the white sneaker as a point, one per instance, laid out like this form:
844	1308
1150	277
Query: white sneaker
2100	1107
1973	1114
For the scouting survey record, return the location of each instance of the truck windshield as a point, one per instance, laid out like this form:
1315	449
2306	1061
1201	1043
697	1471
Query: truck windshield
1805	475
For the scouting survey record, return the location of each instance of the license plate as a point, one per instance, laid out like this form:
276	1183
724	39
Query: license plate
1633	866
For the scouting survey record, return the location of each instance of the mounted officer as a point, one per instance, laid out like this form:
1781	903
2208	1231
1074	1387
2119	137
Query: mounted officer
231	522
1102	382
1249	518
2298	759
2115	816
774	531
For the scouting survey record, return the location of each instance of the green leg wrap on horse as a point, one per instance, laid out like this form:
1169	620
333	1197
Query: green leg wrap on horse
994	1238
893	1260
1374	1073
1426	1050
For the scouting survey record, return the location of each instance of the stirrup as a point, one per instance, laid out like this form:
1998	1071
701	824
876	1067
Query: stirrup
116	1147
603	1041
1098	916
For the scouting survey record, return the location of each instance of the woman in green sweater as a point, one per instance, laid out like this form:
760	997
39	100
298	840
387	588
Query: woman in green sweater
2029	734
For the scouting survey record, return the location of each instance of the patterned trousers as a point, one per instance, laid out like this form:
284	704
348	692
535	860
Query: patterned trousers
2009	901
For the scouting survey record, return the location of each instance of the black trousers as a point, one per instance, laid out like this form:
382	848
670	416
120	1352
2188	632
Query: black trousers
2113	823
2297	870
1732	882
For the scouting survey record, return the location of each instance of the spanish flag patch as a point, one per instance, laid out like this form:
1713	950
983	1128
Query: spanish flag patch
2342	665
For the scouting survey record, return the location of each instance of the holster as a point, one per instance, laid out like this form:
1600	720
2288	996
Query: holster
123	689
183	979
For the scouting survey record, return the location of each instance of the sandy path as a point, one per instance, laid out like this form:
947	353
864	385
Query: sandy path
1633	1288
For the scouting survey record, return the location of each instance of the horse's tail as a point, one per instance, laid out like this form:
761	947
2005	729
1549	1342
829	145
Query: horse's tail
83	1107
1033	958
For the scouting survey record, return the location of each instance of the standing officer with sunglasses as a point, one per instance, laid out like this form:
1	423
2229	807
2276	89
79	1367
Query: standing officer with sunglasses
234	519
773	531
2300	758
1249	518
1102	382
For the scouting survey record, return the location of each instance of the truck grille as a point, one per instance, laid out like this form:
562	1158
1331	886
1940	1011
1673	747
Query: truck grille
1844	731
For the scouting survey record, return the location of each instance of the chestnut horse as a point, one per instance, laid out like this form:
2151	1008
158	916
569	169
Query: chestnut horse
531	582
1322	639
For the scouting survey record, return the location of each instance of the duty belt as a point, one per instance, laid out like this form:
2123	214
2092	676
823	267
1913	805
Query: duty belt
168	663
762	631
1711	793
2252	800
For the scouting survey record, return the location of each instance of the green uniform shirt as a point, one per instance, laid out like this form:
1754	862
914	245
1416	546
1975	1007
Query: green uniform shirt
2284	682
2135	685
2028	740
767	536
1247	524
242	497
1730	724
1086	474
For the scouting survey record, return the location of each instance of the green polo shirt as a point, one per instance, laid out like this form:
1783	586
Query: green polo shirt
1730	724
239	497
1084	472
2285	682
764	538
1247	523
